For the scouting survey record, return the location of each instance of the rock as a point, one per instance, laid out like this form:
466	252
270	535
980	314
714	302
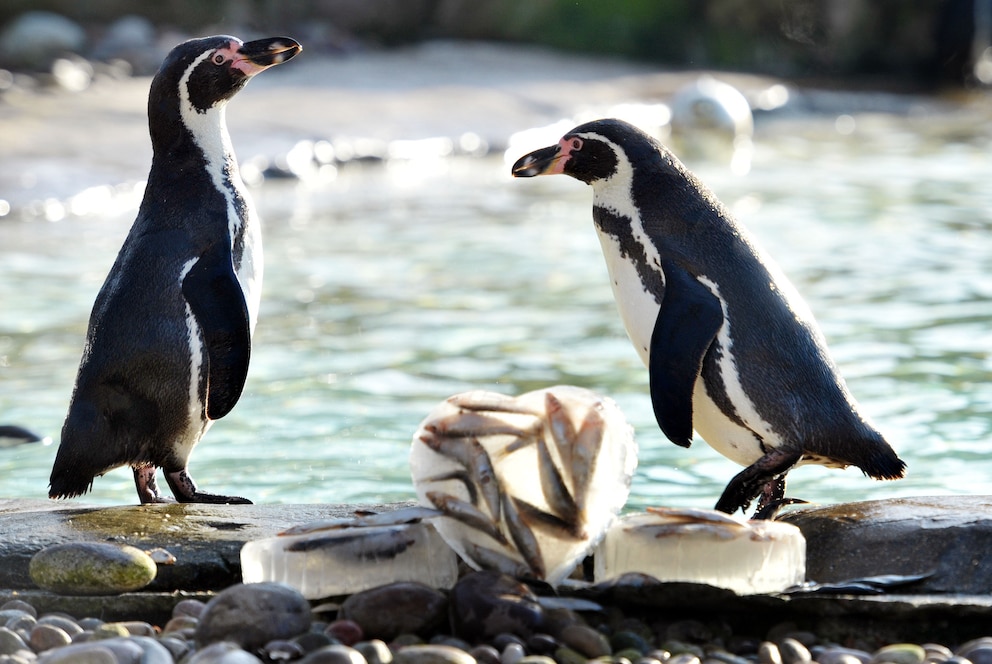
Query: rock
131	38
586	641
484	654
375	651
899	653
46	637
153	651
91	568
978	651
62	622
251	615
223	652
10	642
909	536
83	653
334	654
347	632
34	39
396	608
432	654
794	652
484	604
282	650
768	653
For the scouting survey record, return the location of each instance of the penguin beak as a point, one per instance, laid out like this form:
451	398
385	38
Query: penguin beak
545	161
256	56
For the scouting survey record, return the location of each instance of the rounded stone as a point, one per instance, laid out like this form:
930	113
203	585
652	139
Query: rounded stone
191	608
19	605
82	653
432	654
46	637
224	652
626	640
586	641
11	642
978	651
566	655
21	622
347	632
768	653
251	615
484	604
336	653
794	652
484	654
91	568
838	655
375	651
512	653
542	644
387	611
281	650
70	626
537	659
900	653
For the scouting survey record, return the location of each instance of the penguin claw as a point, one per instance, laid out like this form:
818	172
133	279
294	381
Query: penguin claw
184	488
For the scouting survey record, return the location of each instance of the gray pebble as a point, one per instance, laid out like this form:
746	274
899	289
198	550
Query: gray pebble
538	659
723	657
153	651
838	655
565	655
81	653
586	641
648	660
334	654
684	658
89	623
432	654
484	654
91	568
387	611
375	651
313	641
11	642
22	622
223	652
899	653
192	608
512	653
68	625
936	652
793	651
979	651
253	614
178	647
542	644
46	637
19	605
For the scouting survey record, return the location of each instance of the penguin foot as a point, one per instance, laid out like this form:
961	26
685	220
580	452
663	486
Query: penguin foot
767	475
147	485
185	491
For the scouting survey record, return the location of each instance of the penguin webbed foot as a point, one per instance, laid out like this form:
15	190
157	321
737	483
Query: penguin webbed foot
185	491
764	478
147	486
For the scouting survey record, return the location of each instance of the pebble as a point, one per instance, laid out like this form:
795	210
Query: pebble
251	615
586	641
91	568
46	637
375	651
484	604
899	653
335	653
387	611
794	652
432	654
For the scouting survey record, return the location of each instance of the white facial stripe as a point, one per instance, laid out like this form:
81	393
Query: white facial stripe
209	130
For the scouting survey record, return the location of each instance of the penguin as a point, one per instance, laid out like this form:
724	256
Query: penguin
169	337
732	350
12	435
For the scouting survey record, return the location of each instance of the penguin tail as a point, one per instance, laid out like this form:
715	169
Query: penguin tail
884	465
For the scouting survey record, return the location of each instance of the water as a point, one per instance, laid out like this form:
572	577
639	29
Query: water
390	287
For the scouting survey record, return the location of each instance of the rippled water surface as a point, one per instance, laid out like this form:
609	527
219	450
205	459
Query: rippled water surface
391	287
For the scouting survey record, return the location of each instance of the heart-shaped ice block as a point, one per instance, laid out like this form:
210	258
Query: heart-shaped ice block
528	485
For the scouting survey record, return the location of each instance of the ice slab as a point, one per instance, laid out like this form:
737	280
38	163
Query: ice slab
704	546
344	556
529	484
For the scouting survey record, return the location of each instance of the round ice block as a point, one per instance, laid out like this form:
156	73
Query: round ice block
341	561
704	546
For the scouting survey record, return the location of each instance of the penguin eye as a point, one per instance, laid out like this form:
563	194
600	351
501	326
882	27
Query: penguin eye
575	144
218	59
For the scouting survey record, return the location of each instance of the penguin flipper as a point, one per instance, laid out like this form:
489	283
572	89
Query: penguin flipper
688	321
214	295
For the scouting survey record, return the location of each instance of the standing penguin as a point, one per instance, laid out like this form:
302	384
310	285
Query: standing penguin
731	349
170	333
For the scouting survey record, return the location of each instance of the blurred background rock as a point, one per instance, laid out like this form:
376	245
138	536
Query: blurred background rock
863	43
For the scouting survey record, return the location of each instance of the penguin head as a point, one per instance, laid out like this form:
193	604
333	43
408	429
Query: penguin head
200	75
594	152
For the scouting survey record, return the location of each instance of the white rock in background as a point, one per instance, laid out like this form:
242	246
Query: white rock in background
36	38
344	556
528	485
704	546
